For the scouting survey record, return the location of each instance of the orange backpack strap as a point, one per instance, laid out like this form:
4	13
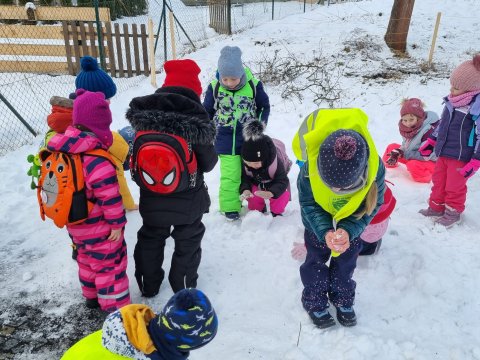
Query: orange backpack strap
103	154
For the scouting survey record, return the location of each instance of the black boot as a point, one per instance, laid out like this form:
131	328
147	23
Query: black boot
322	319
92	303
346	316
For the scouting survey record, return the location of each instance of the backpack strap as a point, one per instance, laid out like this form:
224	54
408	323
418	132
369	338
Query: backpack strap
254	88
101	153
215	95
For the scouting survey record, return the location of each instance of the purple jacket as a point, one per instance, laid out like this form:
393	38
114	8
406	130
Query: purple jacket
456	135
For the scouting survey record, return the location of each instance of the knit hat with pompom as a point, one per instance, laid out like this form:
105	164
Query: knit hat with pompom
466	76
94	79
342	158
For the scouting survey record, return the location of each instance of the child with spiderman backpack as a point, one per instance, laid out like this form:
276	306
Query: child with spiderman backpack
264	171
173	147
78	188
232	98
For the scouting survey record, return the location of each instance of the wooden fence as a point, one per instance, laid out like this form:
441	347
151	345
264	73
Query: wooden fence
220	16
57	49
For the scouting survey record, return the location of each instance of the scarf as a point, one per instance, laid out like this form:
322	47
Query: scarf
463	99
241	84
407	132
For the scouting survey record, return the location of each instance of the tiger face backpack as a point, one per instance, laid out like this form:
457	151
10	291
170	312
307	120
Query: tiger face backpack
61	190
163	163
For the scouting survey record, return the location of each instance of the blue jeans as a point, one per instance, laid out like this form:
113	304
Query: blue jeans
323	282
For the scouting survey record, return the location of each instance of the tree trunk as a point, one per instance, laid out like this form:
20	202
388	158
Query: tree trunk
397	31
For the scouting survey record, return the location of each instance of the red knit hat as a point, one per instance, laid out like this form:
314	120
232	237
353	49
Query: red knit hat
183	73
413	106
466	76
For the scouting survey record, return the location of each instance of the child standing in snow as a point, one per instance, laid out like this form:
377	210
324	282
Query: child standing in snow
415	126
173	109
456	144
264	173
102	251
231	99
187	322
341	188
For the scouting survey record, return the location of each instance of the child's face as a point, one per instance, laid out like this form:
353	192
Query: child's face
455	92
409	120
253	164
230	82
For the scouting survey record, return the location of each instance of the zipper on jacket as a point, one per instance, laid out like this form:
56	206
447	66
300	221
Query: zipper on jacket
460	135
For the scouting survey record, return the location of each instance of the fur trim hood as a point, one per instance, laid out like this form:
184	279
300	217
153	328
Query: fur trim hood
61	101
174	110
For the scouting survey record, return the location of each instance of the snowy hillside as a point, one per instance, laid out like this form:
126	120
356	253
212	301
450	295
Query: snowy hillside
417	299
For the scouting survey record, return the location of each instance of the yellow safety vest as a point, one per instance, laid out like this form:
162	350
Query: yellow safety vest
90	348
306	145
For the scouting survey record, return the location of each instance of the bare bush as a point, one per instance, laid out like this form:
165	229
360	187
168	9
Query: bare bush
296	75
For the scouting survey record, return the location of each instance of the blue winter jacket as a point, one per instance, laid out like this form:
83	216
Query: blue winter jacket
456	135
319	221
225	134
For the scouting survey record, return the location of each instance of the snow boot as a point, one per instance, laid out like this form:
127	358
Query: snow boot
346	316
92	303
449	218
322	319
232	215
429	212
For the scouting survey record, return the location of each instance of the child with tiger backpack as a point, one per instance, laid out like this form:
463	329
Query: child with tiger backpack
232	98
264	171
173	148
102	251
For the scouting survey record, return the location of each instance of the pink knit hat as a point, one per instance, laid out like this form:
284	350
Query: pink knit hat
466	76
92	111
413	106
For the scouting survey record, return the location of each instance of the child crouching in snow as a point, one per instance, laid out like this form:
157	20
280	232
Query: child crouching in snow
264	170
415	126
187	322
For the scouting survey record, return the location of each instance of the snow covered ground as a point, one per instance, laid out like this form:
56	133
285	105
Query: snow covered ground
416	299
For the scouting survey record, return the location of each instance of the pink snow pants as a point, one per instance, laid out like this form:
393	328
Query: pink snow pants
449	186
277	206
102	270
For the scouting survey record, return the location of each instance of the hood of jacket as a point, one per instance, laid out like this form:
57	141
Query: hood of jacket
74	141
61	115
174	110
119	148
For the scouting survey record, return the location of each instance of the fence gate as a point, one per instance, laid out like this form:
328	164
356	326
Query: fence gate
220	16
126	53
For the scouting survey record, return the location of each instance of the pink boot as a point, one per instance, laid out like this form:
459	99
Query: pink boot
429	212
449	218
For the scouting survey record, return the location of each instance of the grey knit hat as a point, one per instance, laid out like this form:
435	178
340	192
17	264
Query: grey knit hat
342	159
230	62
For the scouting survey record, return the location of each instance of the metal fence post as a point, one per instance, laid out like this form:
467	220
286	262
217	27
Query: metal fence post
100	36
19	117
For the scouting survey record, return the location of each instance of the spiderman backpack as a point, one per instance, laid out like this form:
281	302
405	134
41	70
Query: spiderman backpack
163	163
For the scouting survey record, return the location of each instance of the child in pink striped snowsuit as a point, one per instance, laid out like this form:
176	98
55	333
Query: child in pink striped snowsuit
102	251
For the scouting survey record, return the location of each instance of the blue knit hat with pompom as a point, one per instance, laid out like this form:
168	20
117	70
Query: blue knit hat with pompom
94	79
343	158
187	322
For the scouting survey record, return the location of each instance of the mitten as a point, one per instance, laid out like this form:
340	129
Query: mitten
394	155
264	194
427	147
245	195
299	251
470	168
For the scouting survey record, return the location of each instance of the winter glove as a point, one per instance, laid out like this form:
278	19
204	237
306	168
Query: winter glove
395	154
299	251
427	147
264	194
470	168
245	195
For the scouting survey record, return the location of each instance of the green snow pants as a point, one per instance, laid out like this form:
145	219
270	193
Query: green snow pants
230	178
